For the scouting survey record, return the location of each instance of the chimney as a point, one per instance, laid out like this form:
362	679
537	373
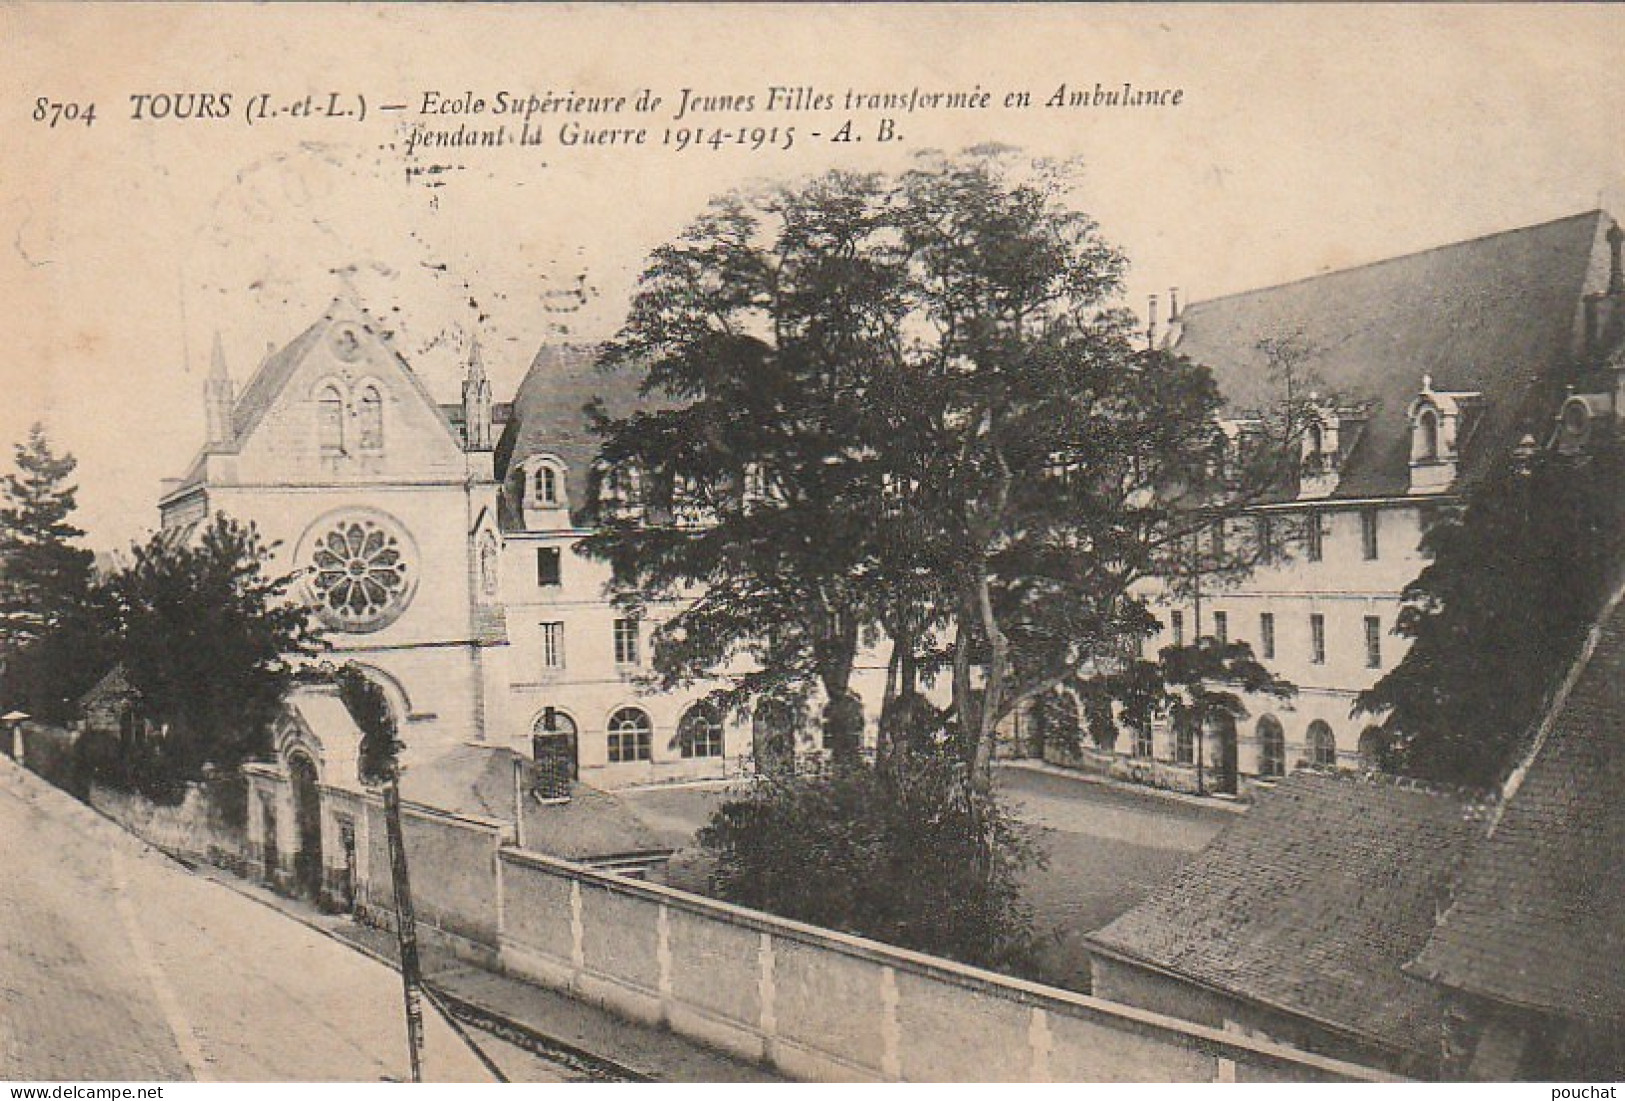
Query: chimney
1151	324
219	399
1173	305
1605	312
1616	275
476	403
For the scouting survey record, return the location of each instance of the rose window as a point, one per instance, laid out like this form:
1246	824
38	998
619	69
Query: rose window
360	577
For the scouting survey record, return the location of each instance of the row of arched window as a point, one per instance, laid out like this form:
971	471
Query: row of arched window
1319	748
334	430
630	732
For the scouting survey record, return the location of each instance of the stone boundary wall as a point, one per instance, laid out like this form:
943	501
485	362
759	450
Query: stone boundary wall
826	1006
812	1003
192	830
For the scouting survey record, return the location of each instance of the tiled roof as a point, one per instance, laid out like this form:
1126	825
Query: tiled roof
1312	902
1538	918
548	417
1487	315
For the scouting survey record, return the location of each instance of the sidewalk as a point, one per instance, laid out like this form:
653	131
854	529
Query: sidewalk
1212	802
591	1040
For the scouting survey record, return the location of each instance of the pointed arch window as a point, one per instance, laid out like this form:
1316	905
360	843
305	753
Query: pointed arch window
330	419
370	415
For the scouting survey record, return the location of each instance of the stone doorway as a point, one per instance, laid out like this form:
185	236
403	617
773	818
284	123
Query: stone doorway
1225	767
307	816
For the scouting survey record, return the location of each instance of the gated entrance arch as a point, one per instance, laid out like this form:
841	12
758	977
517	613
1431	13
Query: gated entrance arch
307	816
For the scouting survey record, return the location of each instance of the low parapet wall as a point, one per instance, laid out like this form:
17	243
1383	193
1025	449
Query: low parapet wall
822	1005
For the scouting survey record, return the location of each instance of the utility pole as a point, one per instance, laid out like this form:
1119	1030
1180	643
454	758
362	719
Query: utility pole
406	927
1198	719
379	768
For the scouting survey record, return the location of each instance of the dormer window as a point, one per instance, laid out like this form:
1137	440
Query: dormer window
544	483
621	489
1579	419
1320	451
1427	436
1441	422
1315	445
547	486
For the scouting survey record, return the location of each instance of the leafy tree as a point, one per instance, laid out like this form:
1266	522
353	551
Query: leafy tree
904	407
205	637
1517	577
893	853
378	767
378	760
762	330
46	633
1054	462
1193	685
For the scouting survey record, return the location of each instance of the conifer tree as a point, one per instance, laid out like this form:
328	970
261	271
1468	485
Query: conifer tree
43	576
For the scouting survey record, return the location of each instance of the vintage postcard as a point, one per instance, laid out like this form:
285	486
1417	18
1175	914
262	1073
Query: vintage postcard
811	542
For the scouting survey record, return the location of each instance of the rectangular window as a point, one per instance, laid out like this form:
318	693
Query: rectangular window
1317	639
1264	529
548	567
626	642
1218	542
1373	642
1184	743
630	744
1368	534
1142	743
1221	627
1176	624
1266	634
1313	536
553	646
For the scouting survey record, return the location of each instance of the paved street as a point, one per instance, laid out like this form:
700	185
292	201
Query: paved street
119	965
1107	848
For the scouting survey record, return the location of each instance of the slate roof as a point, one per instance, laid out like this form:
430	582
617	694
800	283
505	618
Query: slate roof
1312	902
271	378
273	374
479	780
548	417
1539	919
1487	315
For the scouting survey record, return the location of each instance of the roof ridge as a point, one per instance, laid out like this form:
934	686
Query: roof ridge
1377	778
1200	302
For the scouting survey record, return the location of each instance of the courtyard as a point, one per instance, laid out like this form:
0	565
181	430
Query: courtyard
1107	848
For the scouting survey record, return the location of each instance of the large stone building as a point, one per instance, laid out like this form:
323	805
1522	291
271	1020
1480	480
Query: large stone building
1422	372
437	544
437	541
1430	932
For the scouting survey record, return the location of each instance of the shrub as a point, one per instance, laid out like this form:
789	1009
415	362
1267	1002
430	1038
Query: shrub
904	852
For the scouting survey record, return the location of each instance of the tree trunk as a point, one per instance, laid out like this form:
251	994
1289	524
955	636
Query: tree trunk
993	689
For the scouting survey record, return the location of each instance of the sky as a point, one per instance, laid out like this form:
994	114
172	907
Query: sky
1305	139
